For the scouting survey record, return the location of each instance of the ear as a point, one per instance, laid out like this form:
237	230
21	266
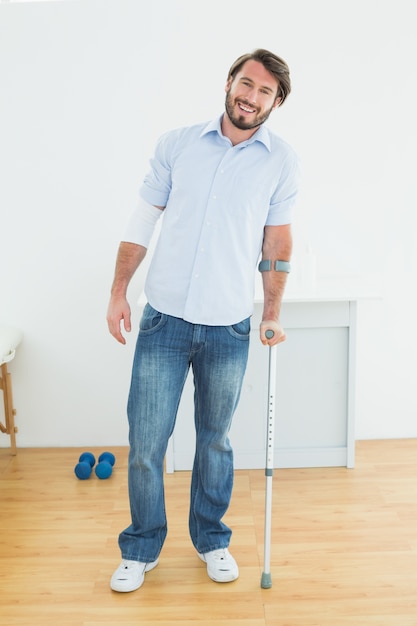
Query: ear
228	84
276	103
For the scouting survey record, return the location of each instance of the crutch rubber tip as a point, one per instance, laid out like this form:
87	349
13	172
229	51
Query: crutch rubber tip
266	581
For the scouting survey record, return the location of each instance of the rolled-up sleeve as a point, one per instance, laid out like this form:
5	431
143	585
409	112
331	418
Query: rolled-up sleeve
157	183
284	198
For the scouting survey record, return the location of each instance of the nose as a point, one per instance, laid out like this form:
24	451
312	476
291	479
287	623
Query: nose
252	95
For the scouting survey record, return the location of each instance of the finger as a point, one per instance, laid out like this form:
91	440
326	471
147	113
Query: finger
114	329
118	335
127	323
282	337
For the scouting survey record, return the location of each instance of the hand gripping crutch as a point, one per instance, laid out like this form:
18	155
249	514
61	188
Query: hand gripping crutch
266	580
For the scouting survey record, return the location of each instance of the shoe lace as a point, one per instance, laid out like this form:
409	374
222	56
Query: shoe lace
221	554
126	564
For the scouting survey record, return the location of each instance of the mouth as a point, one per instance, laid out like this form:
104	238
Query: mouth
245	108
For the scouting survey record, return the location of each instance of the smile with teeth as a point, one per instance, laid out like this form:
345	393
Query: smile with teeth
246	108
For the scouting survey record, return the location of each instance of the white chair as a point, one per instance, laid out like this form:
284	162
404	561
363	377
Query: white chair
10	338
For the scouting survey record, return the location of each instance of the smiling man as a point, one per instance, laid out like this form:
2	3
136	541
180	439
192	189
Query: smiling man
225	190
253	98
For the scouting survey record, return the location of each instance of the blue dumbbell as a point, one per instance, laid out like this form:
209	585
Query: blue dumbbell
104	468
84	466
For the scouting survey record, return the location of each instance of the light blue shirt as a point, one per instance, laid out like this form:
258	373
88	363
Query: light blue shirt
218	199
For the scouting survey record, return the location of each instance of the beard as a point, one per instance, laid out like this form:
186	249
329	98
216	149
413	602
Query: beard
240	121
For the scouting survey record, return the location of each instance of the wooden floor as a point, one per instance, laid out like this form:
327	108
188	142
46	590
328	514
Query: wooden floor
344	546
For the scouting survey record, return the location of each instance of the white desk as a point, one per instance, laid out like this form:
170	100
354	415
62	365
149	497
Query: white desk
315	401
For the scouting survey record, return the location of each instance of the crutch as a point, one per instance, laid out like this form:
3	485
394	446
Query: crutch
266	580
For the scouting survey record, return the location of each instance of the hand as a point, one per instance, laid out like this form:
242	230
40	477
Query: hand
118	310
279	333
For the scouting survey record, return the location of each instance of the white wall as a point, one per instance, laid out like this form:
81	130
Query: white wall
88	86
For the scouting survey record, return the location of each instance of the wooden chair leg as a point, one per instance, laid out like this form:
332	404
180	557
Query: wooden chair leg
9	411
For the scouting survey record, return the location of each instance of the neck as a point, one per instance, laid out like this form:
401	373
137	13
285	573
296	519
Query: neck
236	135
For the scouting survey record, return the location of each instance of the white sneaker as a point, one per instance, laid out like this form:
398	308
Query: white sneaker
221	566
130	575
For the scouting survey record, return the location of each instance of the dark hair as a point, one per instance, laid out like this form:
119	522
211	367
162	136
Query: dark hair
271	62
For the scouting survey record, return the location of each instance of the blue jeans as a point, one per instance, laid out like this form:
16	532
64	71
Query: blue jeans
165	350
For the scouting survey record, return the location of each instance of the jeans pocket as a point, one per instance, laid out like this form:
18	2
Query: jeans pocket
241	330
152	320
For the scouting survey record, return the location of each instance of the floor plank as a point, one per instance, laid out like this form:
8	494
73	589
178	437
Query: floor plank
344	546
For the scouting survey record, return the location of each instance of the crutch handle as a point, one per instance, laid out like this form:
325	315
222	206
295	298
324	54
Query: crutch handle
269	334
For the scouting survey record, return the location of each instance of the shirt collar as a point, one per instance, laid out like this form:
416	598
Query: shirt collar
261	135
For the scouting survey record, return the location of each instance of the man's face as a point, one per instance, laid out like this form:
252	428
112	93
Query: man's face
251	96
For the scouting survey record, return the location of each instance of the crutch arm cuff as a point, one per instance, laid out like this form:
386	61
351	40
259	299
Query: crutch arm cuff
279	266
